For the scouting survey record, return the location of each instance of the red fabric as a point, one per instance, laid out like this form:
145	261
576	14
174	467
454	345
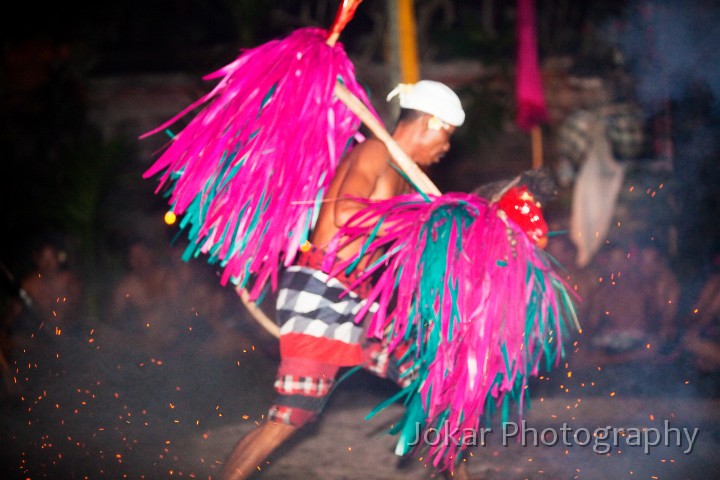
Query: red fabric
308	368
325	350
531	108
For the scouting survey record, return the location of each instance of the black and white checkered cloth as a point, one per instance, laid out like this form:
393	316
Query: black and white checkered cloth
312	303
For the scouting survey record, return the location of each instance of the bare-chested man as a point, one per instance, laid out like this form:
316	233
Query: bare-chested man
318	334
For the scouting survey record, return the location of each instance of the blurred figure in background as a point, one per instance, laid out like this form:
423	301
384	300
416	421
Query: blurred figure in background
701	340
54	291
143	300
46	307
630	311
205	311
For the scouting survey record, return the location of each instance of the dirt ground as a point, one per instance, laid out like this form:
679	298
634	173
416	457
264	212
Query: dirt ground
98	405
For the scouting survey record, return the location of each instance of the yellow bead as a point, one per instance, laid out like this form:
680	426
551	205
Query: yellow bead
170	218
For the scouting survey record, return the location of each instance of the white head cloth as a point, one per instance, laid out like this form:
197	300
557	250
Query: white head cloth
431	97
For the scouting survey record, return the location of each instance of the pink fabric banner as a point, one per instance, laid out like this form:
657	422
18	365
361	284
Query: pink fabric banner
531	109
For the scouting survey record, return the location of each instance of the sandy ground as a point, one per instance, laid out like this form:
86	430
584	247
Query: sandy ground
99	406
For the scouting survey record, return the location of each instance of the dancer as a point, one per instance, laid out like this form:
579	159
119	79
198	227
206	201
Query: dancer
310	301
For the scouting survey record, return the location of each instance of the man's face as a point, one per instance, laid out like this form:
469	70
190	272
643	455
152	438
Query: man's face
47	259
434	140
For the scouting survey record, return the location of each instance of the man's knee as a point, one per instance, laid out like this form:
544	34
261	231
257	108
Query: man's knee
302	386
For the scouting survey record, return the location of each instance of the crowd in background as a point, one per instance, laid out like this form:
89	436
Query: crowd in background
157	303
630	307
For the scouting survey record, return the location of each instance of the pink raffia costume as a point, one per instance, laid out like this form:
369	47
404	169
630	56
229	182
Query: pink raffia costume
468	285
466	306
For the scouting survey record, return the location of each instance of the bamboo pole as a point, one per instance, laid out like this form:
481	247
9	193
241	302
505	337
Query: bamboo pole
401	159
257	313
410	73
408	166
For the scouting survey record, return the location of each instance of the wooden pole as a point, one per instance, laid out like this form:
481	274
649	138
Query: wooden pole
537	153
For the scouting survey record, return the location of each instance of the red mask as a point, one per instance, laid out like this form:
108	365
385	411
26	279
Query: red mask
521	207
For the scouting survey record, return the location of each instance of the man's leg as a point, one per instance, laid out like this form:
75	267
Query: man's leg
254	448
302	388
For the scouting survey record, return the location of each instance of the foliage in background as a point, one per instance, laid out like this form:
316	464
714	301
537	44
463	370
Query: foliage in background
57	168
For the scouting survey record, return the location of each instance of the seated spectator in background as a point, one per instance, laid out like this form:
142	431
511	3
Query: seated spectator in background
54	291
12	309
662	292
144	300
205	309
563	251
629	313
172	307
701	341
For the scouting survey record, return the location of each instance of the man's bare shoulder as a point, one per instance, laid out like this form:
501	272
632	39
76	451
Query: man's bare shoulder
371	148
371	154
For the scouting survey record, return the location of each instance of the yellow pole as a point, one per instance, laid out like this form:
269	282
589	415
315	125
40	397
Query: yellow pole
409	63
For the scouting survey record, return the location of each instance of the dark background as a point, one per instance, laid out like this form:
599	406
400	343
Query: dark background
66	181
60	173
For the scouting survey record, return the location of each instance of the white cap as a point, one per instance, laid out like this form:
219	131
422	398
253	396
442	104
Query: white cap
431	97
